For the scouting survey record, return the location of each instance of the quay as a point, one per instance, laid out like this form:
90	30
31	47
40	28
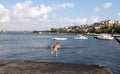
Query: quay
30	67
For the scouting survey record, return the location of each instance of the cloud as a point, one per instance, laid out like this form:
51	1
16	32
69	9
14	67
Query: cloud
39	11
68	19
77	21
119	14
107	5
25	16
97	9
94	19
81	21
4	15
21	9
26	10
63	6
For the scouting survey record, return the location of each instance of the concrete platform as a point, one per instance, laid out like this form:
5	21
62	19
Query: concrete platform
30	67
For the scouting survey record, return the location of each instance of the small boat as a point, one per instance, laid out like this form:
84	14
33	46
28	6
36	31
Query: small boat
56	38
104	37
80	37
40	33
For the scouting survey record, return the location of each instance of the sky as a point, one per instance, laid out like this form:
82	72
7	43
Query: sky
20	15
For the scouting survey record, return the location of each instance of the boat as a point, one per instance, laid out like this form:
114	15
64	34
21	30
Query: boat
105	37
118	39
57	38
80	37
39	32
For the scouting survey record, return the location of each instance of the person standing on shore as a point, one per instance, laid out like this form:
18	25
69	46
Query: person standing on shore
54	49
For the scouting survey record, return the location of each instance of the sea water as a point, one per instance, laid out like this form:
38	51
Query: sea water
35	47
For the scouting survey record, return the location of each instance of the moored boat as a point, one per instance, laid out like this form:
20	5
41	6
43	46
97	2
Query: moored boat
57	38
80	37
104	37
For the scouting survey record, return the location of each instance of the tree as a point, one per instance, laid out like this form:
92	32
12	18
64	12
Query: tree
61	30
54	30
35	31
91	30
116	28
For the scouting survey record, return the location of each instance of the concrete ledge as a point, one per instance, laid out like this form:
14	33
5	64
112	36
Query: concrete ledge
30	67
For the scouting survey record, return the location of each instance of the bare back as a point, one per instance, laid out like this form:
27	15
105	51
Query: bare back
54	48
56	45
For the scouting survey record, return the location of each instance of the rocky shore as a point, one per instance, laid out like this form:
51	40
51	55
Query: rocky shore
31	67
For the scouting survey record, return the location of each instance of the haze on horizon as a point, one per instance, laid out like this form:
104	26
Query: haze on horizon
22	15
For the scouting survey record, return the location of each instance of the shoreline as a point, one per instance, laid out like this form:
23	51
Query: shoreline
32	67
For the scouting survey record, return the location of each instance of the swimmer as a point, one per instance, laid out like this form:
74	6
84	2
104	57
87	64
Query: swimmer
54	49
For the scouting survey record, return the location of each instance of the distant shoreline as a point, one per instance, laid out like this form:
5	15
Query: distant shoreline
94	34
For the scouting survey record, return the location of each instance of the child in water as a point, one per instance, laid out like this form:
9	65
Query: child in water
54	49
